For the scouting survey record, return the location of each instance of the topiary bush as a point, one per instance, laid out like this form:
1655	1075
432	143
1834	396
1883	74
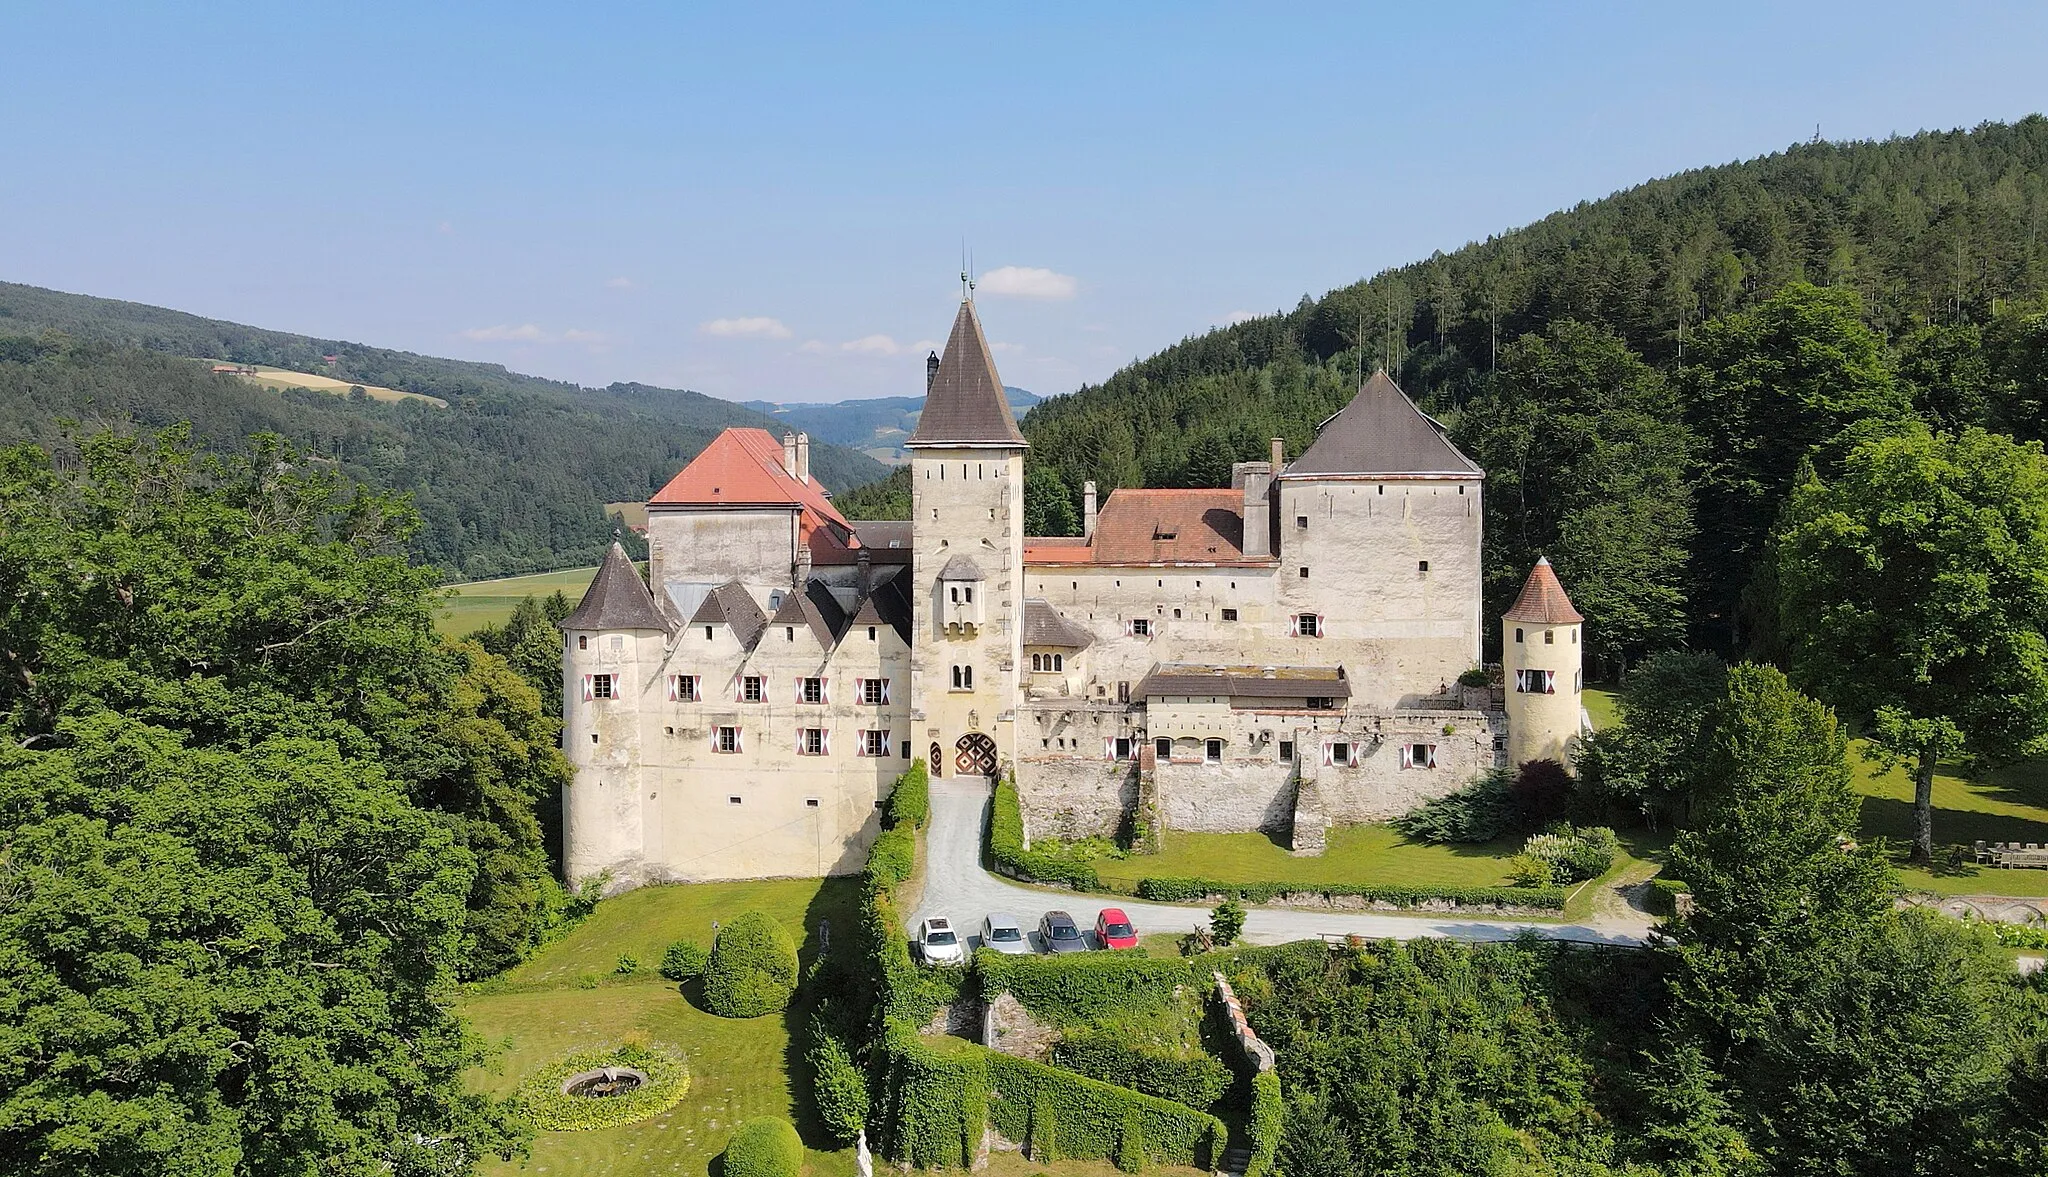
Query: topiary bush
542	1103
910	802
767	1147
752	970
682	960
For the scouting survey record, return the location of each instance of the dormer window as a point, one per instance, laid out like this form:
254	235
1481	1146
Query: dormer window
959	611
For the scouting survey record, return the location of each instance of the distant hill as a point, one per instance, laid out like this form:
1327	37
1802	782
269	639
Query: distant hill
510	477
876	427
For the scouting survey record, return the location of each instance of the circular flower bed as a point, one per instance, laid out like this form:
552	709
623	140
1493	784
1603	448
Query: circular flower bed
575	1095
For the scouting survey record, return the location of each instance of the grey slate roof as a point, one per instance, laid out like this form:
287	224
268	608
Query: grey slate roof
887	603
731	604
884	536
616	599
798	609
1381	432
1288	682
961	567
1044	626
965	404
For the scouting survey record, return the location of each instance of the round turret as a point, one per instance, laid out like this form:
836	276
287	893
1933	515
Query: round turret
611	649
1542	663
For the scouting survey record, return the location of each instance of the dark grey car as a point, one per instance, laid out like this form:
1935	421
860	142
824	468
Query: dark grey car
1060	933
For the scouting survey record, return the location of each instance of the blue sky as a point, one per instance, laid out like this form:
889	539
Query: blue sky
769	201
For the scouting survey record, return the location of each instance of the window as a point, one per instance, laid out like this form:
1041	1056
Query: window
1321	703
810	803
600	686
789	633
1422	566
874	743
707	633
1301	521
810	741
871	633
1122	748
1141	627
618	644
874	691
1176	615
963	678
1308	625
583	641
1549	637
1518	634
732	800
1536	682
684	688
1162	748
1123	691
1578	680
906	750
967	593
1418	756
1304	572
750	688
953	593
1230	615
1287	749
1338	753
728	740
812	690
1044	663
1212	751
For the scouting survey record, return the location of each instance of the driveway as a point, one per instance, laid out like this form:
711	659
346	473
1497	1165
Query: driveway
958	888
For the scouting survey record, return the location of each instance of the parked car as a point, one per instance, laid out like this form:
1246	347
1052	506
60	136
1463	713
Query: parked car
1061	933
1004	934
1113	929
938	943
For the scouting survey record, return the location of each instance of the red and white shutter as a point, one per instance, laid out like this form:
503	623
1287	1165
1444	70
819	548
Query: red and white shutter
1407	756
885	692
672	688
586	688
696	686
714	740
1129	629
1550	682
825	740
1430	750
1109	747
825	688
1329	752
739	739
886	749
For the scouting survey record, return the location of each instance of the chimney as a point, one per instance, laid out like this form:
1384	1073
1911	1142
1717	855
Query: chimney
1279	454
931	371
865	560
1256	481
1088	510
789	454
801	569
803	458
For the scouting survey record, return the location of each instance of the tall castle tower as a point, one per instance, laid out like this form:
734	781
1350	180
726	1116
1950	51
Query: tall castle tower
967	566
1541	658
612	646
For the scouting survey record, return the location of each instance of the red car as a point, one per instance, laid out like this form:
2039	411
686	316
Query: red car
1113	929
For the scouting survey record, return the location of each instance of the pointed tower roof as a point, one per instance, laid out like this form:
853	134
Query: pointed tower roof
965	405
1543	601
617	598
1381	432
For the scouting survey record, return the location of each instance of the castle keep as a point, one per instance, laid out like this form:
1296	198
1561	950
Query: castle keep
1279	655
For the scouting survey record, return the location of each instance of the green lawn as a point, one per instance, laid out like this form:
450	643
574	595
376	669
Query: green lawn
478	603
1355	854
738	1069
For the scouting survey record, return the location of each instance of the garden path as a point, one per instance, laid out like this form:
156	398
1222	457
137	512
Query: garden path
956	886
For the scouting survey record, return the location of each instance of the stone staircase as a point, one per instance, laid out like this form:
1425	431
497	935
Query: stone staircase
1233	1162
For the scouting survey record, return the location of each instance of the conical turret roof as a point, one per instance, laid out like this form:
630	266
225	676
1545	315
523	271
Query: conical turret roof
617	598
965	404
1543	601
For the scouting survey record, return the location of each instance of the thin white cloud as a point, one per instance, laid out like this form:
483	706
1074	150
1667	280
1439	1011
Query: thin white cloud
1236	317
872	345
751	327
1027	282
815	347
577	335
620	283
505	333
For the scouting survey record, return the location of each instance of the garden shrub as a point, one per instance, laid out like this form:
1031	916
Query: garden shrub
910	802
1574	855
1098	1121
1226	923
1108	1053
1532	870
838	1086
1267	1121
1007	853
1662	897
1480	812
1541	790
767	1147
541	1101
682	960
1068	990
1171	889
1477	676
752	970
893	857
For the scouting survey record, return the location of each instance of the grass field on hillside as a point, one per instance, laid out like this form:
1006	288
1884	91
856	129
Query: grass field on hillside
570	997
478	603
274	378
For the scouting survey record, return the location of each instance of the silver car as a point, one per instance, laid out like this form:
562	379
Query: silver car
938	943
1004	934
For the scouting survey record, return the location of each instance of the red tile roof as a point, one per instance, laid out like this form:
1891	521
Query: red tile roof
742	467
1543	601
1156	527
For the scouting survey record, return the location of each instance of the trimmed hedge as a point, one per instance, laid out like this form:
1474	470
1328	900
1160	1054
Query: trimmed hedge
767	1147
893	857
1083	986
935	1104
1006	848
1268	1120
542	1103
1662	897
1177	890
910	802
752	970
1197	1079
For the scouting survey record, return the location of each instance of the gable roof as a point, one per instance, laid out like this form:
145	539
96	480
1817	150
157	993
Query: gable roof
743	467
965	404
961	567
1044	626
1543	600
1380	431
801	608
887	603
616	599
730	604
1170	526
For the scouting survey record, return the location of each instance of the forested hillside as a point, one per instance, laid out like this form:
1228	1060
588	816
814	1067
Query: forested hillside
511	477
1641	375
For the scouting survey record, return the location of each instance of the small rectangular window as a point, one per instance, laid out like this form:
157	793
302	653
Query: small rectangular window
810	803
1309	625
814	690
874	743
1141	627
1549	637
1176	615
750	688
963	678
1301	521
600	686
1162	748
1304	572
1422	566
1287	749
1518	635
1340	754
1230	615
1418	756
1123	747
1212	751
732	800
871	633
811	741
1321	703
707	633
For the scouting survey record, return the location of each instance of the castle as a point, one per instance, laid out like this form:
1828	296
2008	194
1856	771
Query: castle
1281	655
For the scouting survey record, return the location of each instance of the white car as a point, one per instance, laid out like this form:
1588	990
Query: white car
938	943
1005	935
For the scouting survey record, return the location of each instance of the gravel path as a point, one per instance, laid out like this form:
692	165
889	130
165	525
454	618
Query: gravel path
956	887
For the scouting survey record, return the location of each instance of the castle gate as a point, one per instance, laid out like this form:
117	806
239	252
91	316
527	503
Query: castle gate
975	755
